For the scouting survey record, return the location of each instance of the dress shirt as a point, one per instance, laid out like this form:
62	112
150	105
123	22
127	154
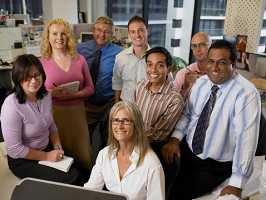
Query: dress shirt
26	125
103	87
181	75
232	134
160	110
140	182
128	71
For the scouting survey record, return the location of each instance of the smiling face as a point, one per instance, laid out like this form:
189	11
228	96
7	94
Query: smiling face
102	33
219	68
138	34
32	82
57	36
157	69
122	126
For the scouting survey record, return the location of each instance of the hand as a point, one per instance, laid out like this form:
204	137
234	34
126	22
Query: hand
190	78
62	94
171	150
54	155
231	190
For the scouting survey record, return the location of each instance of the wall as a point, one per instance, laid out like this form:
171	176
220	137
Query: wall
66	9
245	17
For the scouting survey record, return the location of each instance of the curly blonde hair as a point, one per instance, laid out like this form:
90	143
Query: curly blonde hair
139	137
46	49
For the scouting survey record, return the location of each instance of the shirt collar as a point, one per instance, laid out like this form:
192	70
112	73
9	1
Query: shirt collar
130	51
134	157
163	89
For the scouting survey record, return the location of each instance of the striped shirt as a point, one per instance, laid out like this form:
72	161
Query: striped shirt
233	129
160	110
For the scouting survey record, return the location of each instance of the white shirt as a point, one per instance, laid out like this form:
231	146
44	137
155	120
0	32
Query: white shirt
143	182
128	71
233	130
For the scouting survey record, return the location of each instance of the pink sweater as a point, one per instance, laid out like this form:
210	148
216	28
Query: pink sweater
78	71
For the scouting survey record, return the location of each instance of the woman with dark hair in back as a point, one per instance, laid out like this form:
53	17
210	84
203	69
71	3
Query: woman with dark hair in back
28	127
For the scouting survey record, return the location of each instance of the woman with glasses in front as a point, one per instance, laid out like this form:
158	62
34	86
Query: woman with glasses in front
28	127
128	165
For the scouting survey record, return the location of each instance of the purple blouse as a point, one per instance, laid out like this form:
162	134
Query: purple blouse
26	125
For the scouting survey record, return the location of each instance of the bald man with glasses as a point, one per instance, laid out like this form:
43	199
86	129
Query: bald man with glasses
185	78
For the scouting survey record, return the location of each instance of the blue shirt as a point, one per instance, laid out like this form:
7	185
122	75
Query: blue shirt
233	130
103	87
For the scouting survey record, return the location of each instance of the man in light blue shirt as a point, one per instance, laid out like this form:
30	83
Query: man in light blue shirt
219	138
100	55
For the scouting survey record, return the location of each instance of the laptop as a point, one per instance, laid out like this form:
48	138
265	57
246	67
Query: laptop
32	189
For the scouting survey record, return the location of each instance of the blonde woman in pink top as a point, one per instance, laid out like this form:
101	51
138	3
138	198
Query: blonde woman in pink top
63	65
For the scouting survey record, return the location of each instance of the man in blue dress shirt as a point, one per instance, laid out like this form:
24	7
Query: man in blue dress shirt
217	135
99	103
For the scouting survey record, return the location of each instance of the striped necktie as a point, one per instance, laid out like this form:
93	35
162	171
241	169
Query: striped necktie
203	122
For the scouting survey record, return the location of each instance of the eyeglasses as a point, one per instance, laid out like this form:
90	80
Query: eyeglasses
36	76
105	32
220	63
199	45
124	121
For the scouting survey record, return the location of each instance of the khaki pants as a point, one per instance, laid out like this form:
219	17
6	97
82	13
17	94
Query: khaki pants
73	131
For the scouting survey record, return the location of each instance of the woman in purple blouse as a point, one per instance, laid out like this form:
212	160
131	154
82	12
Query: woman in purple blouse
28	127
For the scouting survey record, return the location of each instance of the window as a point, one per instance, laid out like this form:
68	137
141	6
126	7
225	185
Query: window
213	7
262	40
33	7
264	24
177	23
157	10
175	42
123	10
157	34
213	27
178	3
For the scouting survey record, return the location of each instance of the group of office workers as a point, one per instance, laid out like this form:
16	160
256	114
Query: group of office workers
160	138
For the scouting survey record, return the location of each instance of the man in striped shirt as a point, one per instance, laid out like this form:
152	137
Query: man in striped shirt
227	143
159	101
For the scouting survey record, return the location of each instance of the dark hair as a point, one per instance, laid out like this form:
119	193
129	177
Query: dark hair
137	18
21	71
162	50
224	44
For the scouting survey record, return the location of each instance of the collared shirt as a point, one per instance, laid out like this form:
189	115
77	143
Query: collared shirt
26	125
103	87
160	110
128	71
181	75
233	129
140	182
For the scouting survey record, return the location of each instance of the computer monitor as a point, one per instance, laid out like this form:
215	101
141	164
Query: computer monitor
32	189
85	36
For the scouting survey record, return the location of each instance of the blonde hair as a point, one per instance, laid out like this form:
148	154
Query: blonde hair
104	20
46	49
139	137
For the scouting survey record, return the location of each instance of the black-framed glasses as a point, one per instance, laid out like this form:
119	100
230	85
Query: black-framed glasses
124	121
36	76
199	45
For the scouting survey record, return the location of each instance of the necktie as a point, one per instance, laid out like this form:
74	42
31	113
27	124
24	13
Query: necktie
95	65
203	122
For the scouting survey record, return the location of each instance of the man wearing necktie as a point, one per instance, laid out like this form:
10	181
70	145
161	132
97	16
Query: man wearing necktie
217	135
100	55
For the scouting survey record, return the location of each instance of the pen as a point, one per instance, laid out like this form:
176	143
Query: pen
54	85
